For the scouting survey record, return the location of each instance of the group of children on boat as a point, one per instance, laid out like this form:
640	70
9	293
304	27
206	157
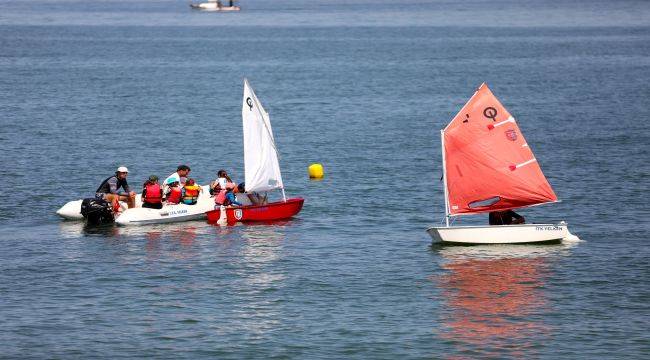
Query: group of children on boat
177	188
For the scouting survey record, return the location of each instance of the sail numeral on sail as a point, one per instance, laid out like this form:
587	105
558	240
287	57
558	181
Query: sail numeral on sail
490	113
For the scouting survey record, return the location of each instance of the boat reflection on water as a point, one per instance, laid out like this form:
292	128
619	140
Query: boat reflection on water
74	229
255	254
178	242
254	244
494	298
264	243
70	229
175	240
263	247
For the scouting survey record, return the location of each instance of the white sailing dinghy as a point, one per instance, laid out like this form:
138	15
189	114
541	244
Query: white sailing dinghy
488	166
261	169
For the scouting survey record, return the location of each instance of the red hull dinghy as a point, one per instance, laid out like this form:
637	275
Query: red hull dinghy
280	210
261	169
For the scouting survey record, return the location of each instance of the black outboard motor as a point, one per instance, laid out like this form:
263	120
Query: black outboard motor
97	211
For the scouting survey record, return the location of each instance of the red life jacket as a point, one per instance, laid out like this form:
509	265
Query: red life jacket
220	198
153	194
174	196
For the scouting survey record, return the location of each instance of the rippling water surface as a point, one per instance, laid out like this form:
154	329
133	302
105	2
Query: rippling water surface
363	87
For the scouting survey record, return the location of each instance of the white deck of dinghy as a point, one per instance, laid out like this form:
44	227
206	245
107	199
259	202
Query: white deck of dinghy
499	234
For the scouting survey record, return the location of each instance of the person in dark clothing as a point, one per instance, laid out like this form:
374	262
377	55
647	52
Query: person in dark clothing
109	189
507	217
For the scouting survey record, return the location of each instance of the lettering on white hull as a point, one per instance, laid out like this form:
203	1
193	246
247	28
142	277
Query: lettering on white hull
173	212
548	228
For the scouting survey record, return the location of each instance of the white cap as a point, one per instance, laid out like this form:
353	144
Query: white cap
122	169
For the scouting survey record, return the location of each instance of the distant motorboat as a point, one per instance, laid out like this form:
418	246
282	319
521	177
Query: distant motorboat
215	5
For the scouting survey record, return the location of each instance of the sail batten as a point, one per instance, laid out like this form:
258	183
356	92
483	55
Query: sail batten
488	164
261	166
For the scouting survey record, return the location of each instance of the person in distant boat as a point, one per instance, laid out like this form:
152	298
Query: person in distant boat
109	189
180	176
507	217
152	193
174	192
191	192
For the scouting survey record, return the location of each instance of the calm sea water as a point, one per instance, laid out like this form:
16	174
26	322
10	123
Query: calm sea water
362	87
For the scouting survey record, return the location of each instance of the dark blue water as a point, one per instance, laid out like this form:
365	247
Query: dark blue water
362	87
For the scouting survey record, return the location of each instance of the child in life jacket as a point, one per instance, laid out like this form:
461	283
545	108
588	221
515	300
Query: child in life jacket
174	193
191	192
152	193
224	190
221	183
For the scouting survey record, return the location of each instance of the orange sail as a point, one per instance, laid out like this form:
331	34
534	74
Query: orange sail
488	164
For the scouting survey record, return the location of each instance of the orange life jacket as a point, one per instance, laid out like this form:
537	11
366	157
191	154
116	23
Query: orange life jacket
191	194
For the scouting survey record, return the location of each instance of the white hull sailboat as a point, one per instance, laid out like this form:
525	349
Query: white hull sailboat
500	234
489	167
214	5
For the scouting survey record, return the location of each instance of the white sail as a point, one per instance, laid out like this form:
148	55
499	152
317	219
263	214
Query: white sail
262	170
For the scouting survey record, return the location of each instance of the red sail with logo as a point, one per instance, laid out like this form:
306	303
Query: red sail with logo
488	164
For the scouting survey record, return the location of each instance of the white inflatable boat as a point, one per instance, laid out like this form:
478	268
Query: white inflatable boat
140	216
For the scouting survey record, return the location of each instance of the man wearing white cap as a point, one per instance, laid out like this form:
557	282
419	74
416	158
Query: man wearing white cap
108	190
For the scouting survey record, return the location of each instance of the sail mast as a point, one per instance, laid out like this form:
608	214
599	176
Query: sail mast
444	177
